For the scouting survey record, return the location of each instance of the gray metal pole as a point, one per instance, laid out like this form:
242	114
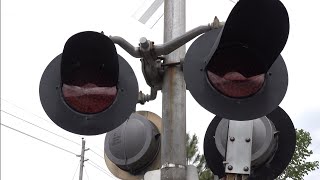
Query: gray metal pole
173	140
82	159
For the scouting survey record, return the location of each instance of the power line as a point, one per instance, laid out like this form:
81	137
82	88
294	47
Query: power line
38	139
97	148
28	111
157	21
76	171
93	164
40	127
86	172
96	153
101	170
19	118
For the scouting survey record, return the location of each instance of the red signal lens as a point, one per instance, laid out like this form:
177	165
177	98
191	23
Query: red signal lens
236	71
234	84
89	98
89	72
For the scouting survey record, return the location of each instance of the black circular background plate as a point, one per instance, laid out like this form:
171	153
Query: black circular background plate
255	106
282	157
88	124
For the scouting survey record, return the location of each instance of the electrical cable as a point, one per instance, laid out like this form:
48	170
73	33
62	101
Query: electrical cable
74	174
96	153
86	172
40	127
92	163
97	165
38	139
157	21
99	168
48	121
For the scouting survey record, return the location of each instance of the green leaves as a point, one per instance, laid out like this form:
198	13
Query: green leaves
299	166
296	170
192	149
195	158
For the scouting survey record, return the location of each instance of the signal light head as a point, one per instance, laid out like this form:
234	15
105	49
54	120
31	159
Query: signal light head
89	72
253	36
236	58
133	148
266	164
227	92
237	72
234	71
90	58
88	89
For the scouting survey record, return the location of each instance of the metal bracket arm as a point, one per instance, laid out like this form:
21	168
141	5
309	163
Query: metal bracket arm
151	59
174	44
142	98
133	51
151	65
170	46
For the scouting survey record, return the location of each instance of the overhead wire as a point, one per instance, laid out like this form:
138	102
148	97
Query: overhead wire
40	127
58	147
74	174
48	121
96	153
97	148
86	172
93	164
157	21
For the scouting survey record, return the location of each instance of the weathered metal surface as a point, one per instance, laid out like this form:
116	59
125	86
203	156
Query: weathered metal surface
119	173
173	149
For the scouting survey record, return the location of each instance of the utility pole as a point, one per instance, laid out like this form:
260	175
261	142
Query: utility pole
82	158
173	146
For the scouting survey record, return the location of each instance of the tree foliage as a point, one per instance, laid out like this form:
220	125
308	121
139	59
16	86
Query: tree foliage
296	170
299	166
195	158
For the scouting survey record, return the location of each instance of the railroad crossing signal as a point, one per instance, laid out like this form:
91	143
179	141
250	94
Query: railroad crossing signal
273	144
234	71
88	89
133	148
237	72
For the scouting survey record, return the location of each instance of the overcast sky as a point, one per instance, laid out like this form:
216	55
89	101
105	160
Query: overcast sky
33	32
